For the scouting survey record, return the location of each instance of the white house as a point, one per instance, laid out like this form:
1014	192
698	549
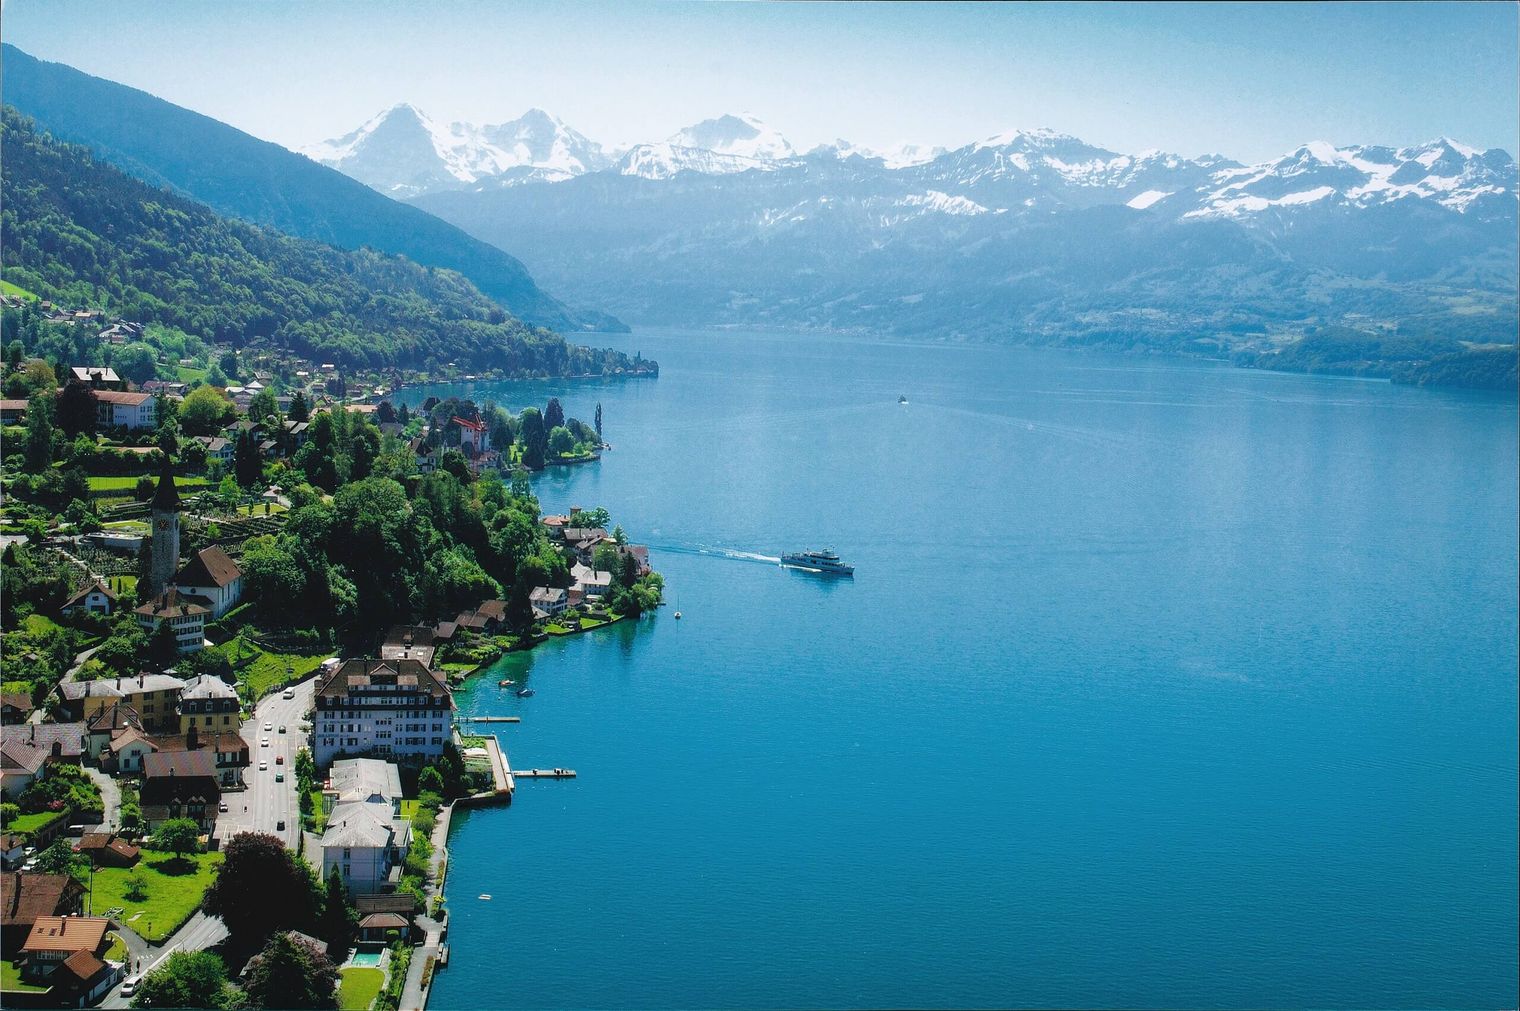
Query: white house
134	410
213	578
593	582
548	599
186	617
93	599
366	838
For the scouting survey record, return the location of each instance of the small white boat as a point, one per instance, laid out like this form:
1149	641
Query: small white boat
678	616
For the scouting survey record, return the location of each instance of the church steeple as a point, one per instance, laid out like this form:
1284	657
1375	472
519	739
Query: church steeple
164	515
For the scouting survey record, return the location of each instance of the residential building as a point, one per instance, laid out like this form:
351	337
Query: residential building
67	952
593	582
583	541
95	598
210	704
186	617
228	750
182	784
218	449
152	696
549	600
125	753
12	850
104	727
366	838
409	642
129	410
389	708
97	378
15	707
211	577
12	411
27	749
25	897
80	700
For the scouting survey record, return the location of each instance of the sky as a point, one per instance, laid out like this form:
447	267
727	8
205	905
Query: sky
1250	81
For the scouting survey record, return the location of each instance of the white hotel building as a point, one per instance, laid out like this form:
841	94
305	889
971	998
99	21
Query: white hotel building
381	708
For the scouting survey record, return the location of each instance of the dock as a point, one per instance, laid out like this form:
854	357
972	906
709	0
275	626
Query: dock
493	719
544	773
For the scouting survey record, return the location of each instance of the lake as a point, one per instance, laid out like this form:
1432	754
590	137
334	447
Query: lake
1159	683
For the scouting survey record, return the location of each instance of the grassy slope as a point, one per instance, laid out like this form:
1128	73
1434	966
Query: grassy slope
172	896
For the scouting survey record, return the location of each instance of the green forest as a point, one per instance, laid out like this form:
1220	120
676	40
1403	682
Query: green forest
82	233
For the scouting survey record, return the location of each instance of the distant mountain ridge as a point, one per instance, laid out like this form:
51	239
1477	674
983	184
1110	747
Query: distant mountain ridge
241	176
81	232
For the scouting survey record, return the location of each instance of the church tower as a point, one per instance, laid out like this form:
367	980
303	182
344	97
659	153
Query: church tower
164	560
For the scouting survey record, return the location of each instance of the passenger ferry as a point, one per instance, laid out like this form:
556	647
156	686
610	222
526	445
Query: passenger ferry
818	561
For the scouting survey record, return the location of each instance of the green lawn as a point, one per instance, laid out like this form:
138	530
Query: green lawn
319	820
268	671
24	823
126	482
171	896
360	988
409	809
189	373
10	979
37	624
117	952
6	288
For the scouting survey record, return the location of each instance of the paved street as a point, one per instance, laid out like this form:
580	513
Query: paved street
110	797
265	803
198	933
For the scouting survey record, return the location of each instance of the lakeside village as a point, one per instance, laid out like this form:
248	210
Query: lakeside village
231	624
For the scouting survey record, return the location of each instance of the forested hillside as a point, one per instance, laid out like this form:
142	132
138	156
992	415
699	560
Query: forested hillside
243	177
84	233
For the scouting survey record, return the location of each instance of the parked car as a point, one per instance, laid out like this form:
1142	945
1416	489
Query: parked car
222	807
130	986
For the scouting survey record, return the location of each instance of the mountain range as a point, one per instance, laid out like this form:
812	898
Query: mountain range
1027	236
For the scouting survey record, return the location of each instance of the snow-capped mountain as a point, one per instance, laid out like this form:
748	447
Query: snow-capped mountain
741	136
664	160
403	152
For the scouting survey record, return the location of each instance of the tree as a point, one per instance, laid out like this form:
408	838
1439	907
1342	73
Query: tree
186	979
385	413
163	646
179	836
340	920
206	411
598	421
554	414
137	884
561	442
430	780
135	362
77	412
533	436
247	461
299	411
262	887
39	433
263	405
291	974
58	858
228	363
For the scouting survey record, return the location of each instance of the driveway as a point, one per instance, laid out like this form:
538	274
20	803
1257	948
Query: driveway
110	796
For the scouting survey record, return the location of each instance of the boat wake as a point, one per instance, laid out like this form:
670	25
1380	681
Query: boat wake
701	549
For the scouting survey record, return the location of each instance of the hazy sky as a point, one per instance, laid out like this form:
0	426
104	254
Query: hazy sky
1250	82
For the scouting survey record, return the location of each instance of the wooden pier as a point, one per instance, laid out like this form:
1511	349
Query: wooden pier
493	719
544	773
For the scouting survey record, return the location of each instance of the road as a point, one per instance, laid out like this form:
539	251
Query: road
199	933
110	798
265	803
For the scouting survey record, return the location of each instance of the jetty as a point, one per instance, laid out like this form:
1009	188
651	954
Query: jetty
544	773
493	719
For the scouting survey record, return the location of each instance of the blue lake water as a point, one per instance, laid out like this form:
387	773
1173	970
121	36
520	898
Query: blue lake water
1159	684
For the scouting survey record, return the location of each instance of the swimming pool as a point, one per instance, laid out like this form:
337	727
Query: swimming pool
366	959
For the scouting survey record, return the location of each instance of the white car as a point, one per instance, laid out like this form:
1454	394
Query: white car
290	693
263	742
263	766
130	986
268	727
